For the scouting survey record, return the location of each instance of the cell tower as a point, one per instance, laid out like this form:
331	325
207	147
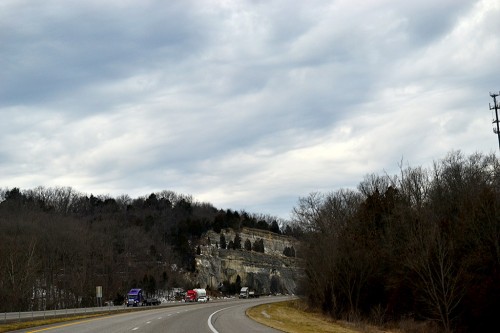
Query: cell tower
496	106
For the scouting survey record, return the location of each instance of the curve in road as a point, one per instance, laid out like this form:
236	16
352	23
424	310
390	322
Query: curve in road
213	317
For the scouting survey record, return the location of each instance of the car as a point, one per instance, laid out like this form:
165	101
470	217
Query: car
202	299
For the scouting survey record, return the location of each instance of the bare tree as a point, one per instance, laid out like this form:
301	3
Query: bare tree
438	276
20	271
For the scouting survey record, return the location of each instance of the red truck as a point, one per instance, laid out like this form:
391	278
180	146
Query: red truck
190	296
196	295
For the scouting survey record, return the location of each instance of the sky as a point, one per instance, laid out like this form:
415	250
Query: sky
247	105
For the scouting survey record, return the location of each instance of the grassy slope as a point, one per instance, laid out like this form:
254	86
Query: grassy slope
290	316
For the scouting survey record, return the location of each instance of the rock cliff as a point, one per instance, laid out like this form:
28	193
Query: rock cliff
267	272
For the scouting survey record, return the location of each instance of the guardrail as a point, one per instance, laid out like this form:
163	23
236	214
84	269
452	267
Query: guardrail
8	317
46	314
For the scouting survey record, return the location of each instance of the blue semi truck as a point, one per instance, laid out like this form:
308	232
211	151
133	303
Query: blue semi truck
135	297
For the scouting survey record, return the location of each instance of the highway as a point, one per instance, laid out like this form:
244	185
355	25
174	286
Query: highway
214	317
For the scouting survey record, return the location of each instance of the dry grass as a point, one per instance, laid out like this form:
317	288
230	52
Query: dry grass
293	317
35	323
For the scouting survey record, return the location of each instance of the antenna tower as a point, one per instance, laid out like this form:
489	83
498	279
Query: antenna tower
496	107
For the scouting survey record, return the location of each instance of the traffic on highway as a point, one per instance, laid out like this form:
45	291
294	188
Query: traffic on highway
218	316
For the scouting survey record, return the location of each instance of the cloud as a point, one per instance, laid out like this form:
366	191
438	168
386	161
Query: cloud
244	104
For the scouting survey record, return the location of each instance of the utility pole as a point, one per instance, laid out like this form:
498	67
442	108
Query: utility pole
495	107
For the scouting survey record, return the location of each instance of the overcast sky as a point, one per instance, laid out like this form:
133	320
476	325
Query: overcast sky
248	105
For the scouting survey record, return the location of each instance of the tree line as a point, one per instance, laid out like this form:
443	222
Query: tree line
57	244
424	244
235	244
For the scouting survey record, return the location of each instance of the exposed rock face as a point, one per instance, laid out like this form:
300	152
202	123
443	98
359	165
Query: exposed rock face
266	272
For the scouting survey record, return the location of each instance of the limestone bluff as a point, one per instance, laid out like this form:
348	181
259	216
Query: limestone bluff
268	272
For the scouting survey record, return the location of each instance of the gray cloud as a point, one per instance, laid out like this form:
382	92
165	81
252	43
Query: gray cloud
246	104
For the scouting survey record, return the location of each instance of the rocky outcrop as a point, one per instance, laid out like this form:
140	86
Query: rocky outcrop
266	272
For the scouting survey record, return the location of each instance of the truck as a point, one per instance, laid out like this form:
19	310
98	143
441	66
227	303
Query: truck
196	295
135	297
201	295
190	296
246	292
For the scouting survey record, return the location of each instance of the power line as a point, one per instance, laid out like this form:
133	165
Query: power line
495	107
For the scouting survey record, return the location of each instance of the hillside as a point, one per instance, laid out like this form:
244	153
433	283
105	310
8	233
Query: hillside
57	245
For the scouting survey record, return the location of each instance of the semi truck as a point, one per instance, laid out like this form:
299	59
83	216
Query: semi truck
246	292
135	297
196	295
202	295
190	296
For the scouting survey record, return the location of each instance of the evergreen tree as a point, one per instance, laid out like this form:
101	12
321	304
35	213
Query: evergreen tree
238	283
258	245
237	242
275	227
222	241
248	245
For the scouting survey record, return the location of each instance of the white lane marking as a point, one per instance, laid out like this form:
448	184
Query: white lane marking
135	328
212	328
159	318
148	322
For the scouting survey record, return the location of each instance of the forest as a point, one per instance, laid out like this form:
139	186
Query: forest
57	245
423	244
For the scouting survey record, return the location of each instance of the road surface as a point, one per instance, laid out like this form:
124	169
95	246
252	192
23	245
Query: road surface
212	317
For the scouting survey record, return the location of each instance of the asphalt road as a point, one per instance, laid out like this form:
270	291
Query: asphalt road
212	317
